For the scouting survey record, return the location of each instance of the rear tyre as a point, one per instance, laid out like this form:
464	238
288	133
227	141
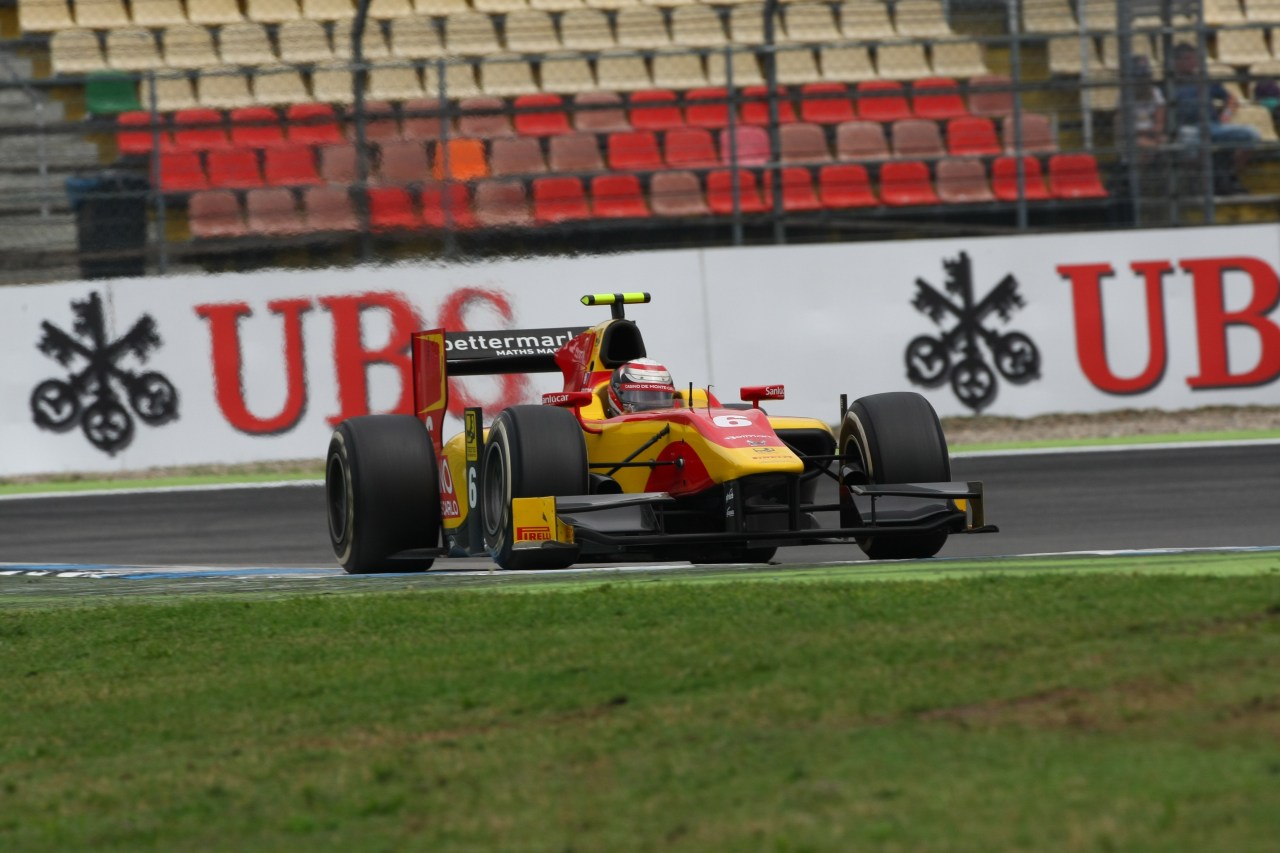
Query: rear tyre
531	451
383	493
896	438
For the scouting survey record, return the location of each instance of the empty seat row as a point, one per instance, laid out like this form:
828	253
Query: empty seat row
547	114
558	199
690	22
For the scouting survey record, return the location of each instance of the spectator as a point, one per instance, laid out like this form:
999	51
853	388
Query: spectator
1148	108
1237	138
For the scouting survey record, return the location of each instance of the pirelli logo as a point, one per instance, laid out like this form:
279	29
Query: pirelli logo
533	534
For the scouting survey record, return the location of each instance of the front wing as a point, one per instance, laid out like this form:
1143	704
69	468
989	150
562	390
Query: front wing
607	524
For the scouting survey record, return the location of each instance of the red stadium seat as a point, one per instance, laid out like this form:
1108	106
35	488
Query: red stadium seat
1004	179
963	180
466	159
199	129
391	209
677	193
312	124
750	148
1075	176
655	109
541	114
329	209
634	150
707	107
906	182
690	148
937	98
845	185
291	166
882	100
235	169
135	135
181	171
973	136
502	204
617	197
215	214
797	190
755	106
826	103
447	206
273	212
256	127
990	95
559	199
720	192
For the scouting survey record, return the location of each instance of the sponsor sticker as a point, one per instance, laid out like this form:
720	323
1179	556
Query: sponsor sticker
533	534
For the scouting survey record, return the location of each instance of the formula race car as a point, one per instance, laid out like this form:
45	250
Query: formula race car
585	477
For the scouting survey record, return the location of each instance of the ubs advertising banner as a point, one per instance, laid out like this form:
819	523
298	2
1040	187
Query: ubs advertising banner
131	374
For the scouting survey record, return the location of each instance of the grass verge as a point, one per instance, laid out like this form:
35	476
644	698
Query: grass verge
1053	711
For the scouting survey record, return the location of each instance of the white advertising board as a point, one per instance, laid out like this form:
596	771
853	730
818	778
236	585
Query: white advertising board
183	370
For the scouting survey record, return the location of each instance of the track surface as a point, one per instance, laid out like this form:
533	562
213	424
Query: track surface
1102	500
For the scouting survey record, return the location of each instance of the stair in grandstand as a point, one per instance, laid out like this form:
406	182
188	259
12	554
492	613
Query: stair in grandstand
37	226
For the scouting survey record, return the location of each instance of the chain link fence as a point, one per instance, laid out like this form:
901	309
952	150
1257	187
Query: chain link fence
442	129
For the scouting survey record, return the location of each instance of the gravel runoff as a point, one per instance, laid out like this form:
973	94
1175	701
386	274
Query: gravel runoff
975	429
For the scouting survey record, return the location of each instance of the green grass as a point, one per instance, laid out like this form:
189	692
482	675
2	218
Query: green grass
1056	711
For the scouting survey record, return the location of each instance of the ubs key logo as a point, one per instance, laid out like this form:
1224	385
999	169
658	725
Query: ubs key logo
929	359
90	396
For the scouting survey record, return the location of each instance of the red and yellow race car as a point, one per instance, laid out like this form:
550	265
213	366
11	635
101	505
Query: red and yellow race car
622	464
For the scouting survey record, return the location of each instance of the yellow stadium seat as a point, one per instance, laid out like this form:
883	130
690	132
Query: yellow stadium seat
865	19
959	59
415	38
1048	16
303	41
188	46
440	7
459	80
470	34
746	69
797	65
391	9
172	92
214	12
506	75
101	14
245	43
567	73
622	71
586	29
75	51
846	64
810	23
157	13
133	49
42	16
531	31
223	88
642	26
555	5
373	46
920	19
498	6
279	84
333	83
272	11
394	81
328	10
1065	55
902	62
679	69
697	26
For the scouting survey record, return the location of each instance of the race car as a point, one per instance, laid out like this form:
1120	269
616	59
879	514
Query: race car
582	478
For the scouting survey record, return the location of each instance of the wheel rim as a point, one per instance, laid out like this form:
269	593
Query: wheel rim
336	485
494	497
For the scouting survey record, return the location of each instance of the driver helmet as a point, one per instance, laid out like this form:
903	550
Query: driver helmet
638	386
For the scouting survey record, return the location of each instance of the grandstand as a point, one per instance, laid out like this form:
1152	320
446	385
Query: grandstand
148	134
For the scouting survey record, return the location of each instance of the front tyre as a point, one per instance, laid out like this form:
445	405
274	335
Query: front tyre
383	493
531	451
896	438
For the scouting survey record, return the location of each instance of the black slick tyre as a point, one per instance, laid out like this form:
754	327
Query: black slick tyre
383	494
896	438
531	451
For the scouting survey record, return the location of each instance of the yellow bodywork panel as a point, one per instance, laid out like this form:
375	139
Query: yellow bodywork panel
534	524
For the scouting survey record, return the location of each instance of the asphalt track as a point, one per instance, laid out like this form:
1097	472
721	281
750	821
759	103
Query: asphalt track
1197	496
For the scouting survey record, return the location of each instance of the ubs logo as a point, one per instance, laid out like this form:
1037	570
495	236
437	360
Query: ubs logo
91	394
929	358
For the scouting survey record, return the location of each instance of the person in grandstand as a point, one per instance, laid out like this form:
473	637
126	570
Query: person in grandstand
639	385
1236	140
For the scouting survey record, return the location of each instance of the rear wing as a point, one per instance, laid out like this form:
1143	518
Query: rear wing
438	355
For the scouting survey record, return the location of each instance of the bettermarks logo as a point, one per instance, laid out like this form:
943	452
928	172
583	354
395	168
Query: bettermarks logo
969	338
90	395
